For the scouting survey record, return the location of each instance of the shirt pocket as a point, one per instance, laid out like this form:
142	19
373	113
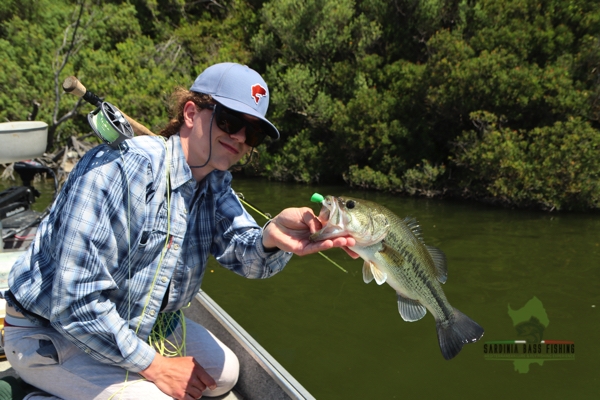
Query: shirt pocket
154	232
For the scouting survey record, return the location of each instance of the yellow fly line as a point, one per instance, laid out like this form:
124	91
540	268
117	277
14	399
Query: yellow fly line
268	217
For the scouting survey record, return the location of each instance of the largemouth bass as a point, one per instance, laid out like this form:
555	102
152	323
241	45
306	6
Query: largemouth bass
394	253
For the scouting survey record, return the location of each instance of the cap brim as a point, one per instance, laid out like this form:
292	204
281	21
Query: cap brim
235	105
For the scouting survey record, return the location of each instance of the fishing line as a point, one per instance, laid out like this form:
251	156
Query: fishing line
167	317
163	328
111	126
122	388
166	322
128	234
268	217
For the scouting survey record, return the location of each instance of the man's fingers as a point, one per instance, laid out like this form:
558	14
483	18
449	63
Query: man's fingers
194	388
350	253
204	378
311	221
345	241
189	396
198	385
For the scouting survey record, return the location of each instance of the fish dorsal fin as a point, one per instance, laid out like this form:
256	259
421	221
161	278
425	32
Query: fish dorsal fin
379	276
410	310
414	227
439	259
367	274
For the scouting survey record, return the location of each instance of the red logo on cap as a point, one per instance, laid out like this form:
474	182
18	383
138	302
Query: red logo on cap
257	92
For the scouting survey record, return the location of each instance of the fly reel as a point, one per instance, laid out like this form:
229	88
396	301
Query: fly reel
110	125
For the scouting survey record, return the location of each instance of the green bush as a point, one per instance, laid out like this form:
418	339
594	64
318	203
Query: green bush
553	168
299	161
424	179
367	178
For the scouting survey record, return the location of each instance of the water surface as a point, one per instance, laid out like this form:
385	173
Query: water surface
344	339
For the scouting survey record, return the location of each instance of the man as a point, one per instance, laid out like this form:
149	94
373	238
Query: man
125	246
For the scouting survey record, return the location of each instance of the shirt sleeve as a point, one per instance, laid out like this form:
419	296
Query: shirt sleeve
238	242
97	214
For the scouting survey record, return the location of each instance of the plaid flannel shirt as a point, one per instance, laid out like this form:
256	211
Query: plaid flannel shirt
117	236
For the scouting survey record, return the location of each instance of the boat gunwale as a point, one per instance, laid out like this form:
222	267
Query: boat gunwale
276	371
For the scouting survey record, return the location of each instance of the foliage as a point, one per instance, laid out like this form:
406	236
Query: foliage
406	95
424	179
554	167
111	56
382	94
297	161
367	178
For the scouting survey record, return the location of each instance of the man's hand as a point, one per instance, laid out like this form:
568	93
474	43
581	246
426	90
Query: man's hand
290	231
179	377
350	253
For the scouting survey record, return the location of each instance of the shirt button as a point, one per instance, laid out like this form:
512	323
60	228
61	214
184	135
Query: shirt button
152	312
185	211
164	279
176	246
87	351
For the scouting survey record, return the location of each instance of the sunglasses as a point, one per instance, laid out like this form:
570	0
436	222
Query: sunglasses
232	122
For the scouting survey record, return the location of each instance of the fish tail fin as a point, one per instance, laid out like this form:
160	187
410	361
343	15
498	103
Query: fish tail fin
454	335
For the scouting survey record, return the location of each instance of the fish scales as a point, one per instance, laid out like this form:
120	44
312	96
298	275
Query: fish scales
395	253
426	275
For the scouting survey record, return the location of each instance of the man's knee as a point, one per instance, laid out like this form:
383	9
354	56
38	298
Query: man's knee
228	376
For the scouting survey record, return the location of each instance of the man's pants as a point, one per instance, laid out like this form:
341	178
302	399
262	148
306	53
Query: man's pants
68	373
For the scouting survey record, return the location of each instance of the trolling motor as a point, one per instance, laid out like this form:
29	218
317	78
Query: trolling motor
107	121
16	213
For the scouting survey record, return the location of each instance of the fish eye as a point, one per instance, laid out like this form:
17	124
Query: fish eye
350	204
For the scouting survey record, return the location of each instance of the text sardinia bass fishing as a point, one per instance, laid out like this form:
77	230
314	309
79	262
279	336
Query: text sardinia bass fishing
529	348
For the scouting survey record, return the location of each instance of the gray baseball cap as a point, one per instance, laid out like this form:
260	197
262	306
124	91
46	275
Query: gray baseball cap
239	88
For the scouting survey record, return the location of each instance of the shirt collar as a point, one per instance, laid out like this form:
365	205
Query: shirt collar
180	172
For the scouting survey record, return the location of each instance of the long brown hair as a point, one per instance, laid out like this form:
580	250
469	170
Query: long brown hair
177	102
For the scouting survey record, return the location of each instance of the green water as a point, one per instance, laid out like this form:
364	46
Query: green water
344	339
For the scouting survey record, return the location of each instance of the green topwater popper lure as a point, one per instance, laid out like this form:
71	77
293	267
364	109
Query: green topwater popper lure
317	198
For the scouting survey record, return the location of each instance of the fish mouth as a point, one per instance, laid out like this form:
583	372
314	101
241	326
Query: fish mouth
328	208
331	218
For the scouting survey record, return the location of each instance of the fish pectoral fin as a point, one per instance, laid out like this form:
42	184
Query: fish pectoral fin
367	274
379	276
439	259
410	310
390	256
